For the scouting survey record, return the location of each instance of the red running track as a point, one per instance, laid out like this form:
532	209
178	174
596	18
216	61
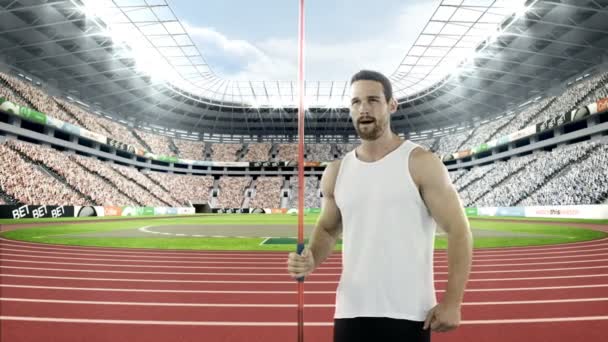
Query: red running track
63	293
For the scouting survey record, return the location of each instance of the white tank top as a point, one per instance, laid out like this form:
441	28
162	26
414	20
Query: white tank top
388	239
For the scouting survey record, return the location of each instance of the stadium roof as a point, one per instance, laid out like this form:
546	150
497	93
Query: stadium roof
473	59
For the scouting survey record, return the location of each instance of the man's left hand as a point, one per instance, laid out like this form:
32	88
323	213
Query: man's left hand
443	318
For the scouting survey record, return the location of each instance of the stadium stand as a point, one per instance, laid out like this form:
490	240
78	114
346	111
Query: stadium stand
258	152
311	198
72	173
158	144
451	142
583	182
498	174
184	188
225	152
287	152
29	184
90	121
188	149
483	133
535	174
38	99
144	182
267	193
232	191
318	152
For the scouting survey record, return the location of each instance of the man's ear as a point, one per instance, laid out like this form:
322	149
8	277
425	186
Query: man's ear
392	105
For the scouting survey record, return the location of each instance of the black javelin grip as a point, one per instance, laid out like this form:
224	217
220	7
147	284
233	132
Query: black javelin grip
299	250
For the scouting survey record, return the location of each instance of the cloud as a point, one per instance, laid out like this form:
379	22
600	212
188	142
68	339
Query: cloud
276	59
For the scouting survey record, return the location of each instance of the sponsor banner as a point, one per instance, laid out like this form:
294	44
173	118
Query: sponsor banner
602	105
166	159
266	164
89	211
236	210
112	211
592	108
312	164
171	211
502	140
62	125
160	211
202	162
230	164
185	211
278	210
554	122
511	211
569	211
120	145
22	112
492	144
486	211
148	211
522	133
35	211
471	211
85	133
580	113
462	154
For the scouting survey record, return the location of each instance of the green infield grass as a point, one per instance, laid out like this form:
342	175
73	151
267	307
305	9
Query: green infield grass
56	234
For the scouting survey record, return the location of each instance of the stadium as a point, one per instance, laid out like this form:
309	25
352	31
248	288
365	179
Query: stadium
145	197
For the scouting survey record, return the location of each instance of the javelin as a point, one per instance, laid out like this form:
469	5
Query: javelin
301	189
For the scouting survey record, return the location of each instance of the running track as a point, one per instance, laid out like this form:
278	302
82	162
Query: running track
62	293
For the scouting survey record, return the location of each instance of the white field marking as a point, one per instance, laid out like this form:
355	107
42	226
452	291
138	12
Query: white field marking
572	245
511	250
577	251
146	229
261	305
164	280
276	324
185	254
277	268
161	266
122	251
543	288
281	262
263	242
543	258
280	257
280	275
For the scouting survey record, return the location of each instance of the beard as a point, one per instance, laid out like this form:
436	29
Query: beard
371	131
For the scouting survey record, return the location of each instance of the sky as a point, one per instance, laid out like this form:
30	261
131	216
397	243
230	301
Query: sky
257	40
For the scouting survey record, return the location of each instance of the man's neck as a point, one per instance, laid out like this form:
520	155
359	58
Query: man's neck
372	150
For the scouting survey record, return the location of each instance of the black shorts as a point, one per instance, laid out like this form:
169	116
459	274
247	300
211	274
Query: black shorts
372	329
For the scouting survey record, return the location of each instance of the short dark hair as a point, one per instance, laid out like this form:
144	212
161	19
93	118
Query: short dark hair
370	75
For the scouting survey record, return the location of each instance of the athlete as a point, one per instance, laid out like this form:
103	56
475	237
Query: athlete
386	198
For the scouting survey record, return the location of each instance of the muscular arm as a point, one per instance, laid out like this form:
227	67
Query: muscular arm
443	202
329	225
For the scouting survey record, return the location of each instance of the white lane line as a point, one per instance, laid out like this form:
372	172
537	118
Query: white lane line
146	229
281	262
234	305
285	275
241	273
543	288
439	253
518	270
163	266
276	324
278	258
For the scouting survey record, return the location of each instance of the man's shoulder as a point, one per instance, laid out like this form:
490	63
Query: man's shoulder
423	161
